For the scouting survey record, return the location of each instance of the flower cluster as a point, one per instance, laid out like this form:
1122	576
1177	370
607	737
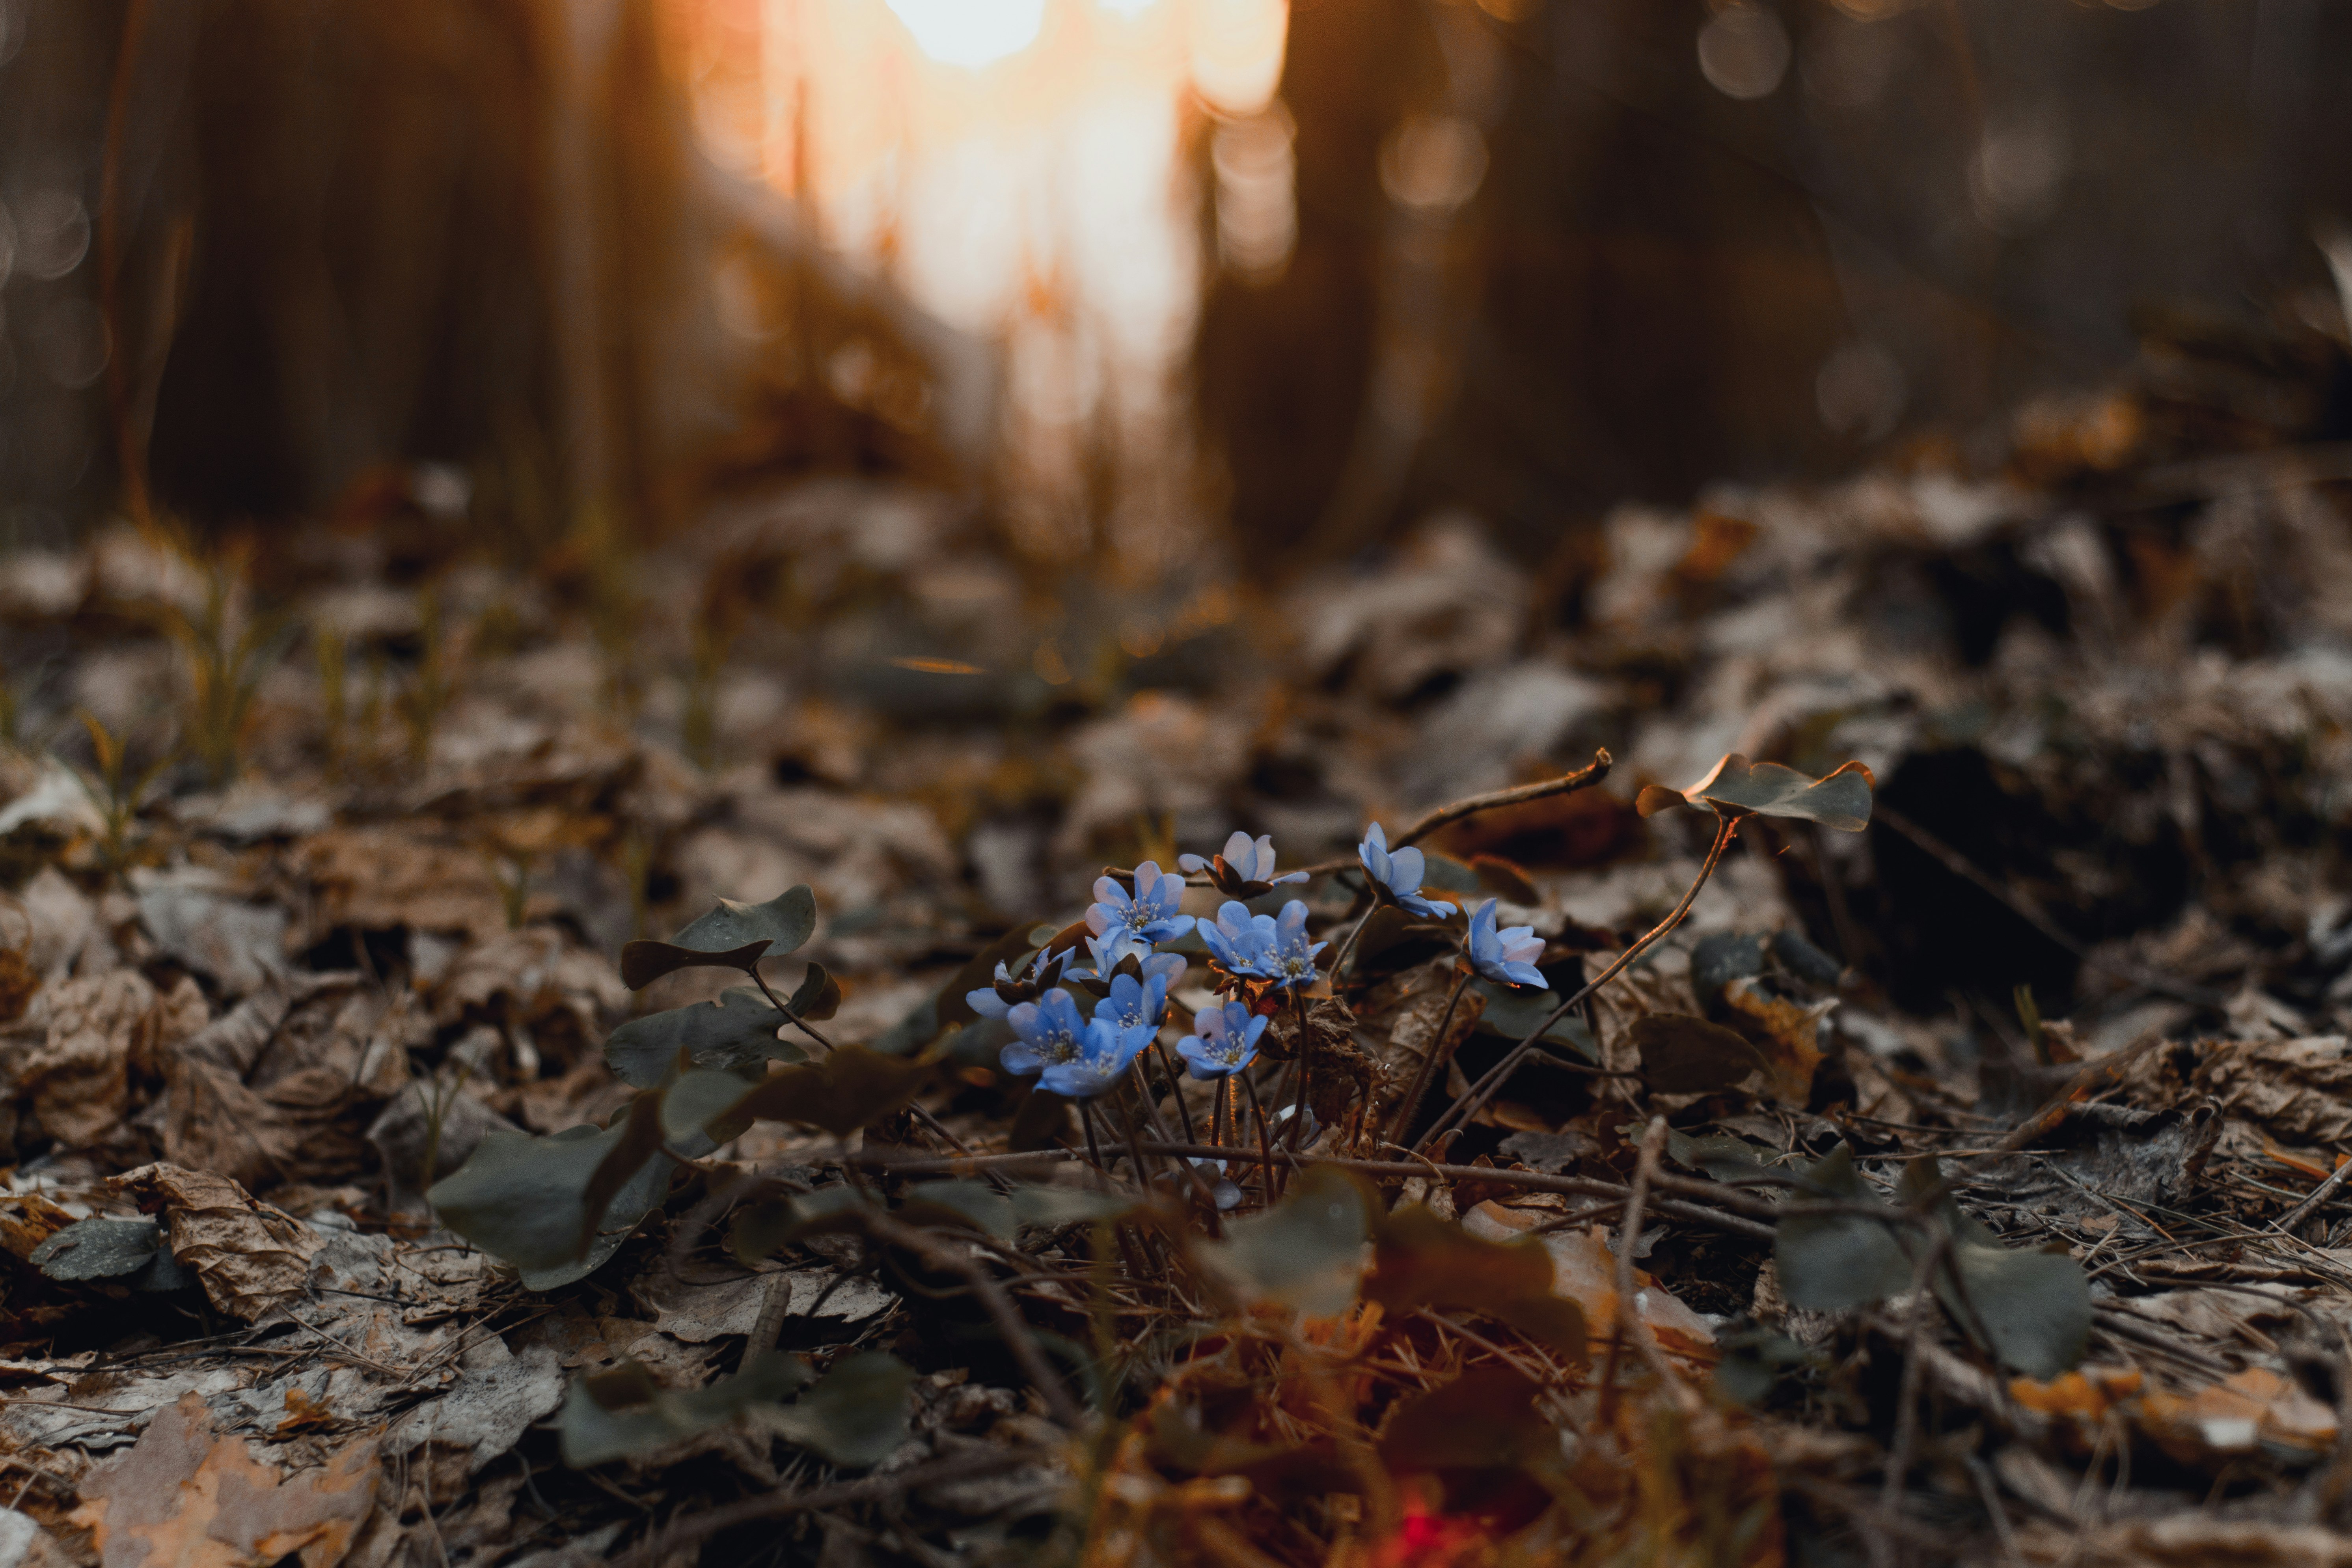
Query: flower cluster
1079	1054
1265	947
1079	1057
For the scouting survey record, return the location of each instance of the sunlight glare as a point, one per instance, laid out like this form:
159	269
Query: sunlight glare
972	33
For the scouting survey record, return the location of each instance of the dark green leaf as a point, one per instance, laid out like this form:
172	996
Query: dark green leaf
856	1415
1737	787
523	1200
758	1228
704	1102
1515	1011
975	1204
731	936
1752	1361
1049	1206
100	1249
1307	1252
615	1413
2033	1306
1722	1156
1420	1260
738	1030
1683	1054
1829	1262
850	1087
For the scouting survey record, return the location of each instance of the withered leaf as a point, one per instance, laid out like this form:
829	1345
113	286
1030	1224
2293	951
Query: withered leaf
1683	1054
1737	787
851	1087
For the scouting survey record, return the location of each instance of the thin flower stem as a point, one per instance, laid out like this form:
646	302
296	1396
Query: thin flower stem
1306	1073
1175	1088
1094	1148
1401	1118
1264	1145
1485	1088
1217	1113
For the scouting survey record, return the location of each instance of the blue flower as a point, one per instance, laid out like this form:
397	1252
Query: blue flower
1399	875
1171	965
1050	1031
1224	1040
1102	1055
1139	921
1133	1001
1012	988
1293	958
1245	869
1241	942
1508	955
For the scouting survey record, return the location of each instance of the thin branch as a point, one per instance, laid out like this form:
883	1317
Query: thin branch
1486	1088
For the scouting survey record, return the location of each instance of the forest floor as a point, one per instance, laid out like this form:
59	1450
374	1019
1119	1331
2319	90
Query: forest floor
1961	1189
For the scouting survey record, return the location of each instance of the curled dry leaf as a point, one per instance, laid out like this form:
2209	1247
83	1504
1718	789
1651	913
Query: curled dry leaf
248	1257
1737	787
1791	1035
184	1498
80	1077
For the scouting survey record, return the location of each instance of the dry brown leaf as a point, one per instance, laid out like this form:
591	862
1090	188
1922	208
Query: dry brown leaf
182	1497
381	877
29	1220
2299	1090
2187	1539
2256	1408
275	1089
249	1255
79	1078
1585	1271
1790	1033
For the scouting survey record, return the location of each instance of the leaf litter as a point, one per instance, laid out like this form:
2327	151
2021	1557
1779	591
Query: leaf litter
497	1135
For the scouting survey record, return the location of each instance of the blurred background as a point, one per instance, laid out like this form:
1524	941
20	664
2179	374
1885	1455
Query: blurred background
1137	280
720	426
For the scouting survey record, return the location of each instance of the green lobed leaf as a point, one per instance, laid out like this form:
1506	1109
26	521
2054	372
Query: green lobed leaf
1683	1054
1830	1262
613	1415
738	1030
975	1204
731	936
703	1102
1737	787
1307	1252
2033	1306
856	1415
524	1200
